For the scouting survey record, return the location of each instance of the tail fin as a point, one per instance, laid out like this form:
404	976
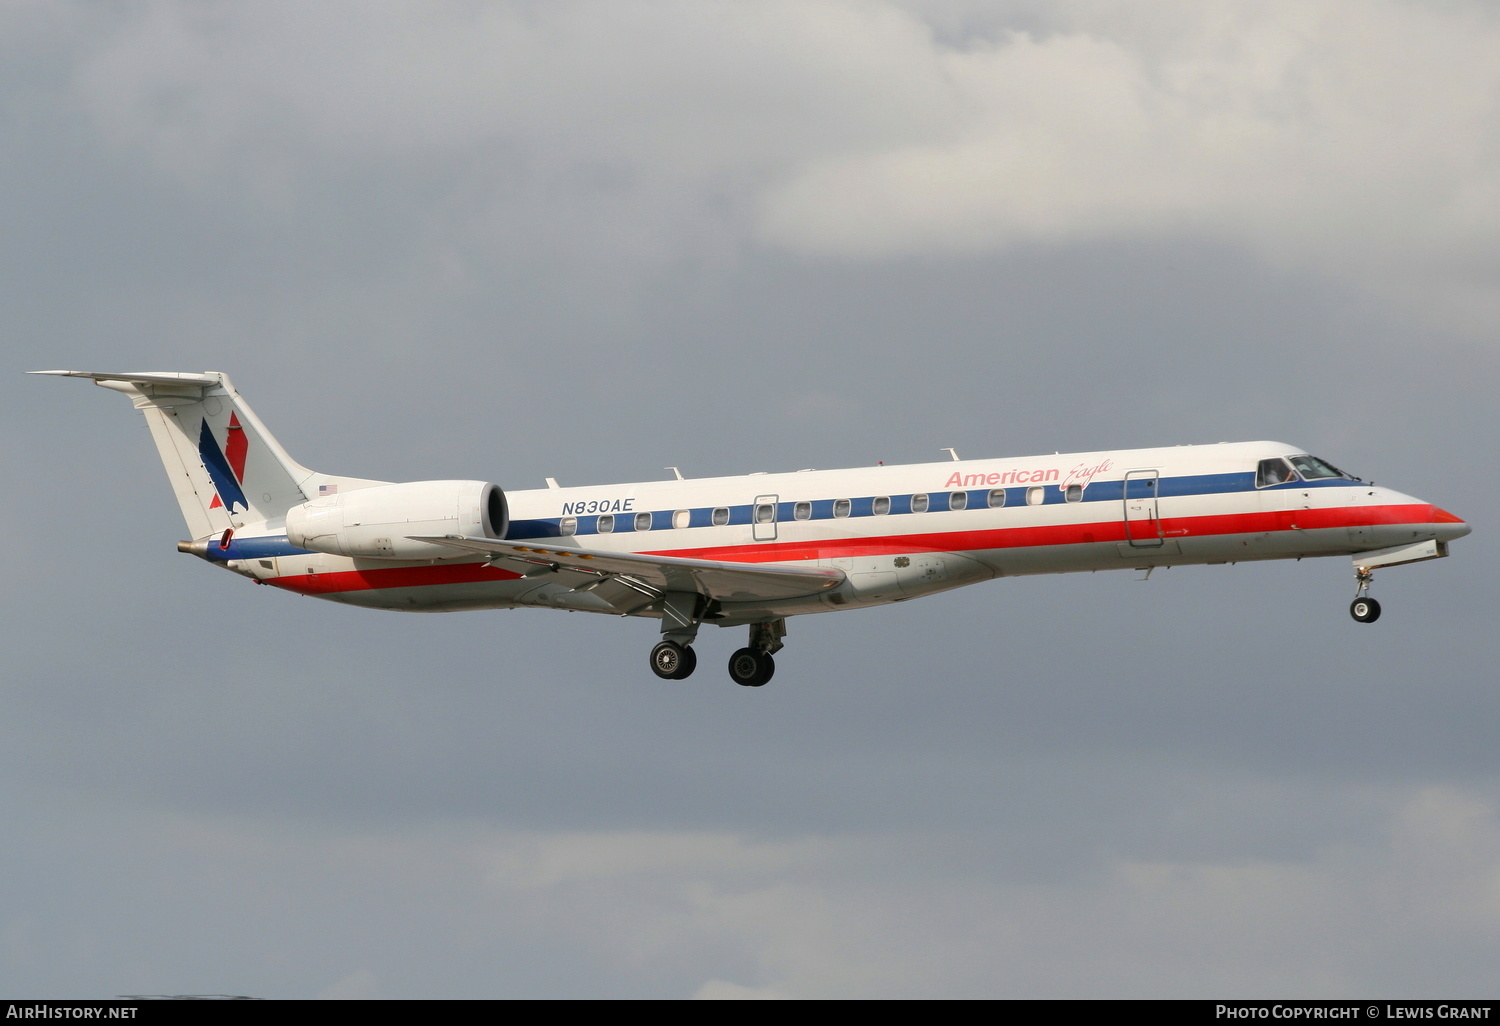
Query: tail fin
225	467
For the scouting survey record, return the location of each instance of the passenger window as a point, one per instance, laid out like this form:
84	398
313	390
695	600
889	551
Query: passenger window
919	503
567	526
606	523
802	511
721	516
958	500
1035	495
682	518
841	507
643	521
1074	493
881	506
997	498
765	513
1273	472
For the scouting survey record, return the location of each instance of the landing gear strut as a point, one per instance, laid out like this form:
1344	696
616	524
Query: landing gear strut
1363	608
673	657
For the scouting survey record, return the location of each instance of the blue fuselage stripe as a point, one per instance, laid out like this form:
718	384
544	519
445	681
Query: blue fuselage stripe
264	547
937	502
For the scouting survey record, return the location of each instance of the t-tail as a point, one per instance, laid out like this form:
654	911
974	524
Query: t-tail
226	469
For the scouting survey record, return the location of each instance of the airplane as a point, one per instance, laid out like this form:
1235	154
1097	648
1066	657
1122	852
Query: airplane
751	551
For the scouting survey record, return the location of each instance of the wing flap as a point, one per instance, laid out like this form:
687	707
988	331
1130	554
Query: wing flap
654	576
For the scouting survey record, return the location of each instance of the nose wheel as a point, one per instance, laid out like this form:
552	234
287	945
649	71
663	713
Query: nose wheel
1364	608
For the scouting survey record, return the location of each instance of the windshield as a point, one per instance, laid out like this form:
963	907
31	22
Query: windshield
1312	469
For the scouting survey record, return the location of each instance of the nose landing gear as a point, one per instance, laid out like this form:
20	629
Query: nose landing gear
1363	608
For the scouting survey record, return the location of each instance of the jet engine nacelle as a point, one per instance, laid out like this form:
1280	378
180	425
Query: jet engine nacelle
377	522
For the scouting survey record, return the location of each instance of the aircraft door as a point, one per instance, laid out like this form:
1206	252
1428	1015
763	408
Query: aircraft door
1142	523
763	518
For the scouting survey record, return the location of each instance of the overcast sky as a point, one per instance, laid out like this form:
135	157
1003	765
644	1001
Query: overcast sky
590	240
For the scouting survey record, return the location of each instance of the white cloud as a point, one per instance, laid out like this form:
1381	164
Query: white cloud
723	990
1353	141
1357	142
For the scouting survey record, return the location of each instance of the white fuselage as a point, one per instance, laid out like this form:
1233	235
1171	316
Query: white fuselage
897	532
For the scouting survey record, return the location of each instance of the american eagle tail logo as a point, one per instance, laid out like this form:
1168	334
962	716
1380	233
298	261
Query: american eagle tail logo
225	466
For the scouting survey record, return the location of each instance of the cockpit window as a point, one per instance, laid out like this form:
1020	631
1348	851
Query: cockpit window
1315	469
1273	472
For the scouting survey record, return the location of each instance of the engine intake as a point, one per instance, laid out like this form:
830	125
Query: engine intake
375	522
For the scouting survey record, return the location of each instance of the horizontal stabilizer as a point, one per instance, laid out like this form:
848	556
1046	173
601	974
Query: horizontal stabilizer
146	378
657	575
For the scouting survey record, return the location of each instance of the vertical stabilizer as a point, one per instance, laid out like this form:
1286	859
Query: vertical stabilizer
226	469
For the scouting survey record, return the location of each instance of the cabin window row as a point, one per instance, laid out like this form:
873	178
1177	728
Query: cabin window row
765	512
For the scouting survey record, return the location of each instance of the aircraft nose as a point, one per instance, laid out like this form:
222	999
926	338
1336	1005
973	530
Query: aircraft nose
1448	525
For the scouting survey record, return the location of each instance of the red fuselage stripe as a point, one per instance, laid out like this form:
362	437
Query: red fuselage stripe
392	577
1061	534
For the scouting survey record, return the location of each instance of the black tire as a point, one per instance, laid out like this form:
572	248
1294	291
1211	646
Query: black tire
667	660
689	664
750	669
1365	610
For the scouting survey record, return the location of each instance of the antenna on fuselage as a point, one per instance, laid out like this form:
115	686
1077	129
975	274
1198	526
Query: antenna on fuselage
675	471
951	452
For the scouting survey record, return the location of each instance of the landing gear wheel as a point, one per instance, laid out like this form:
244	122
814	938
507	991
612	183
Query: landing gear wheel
1365	610
670	661
751	669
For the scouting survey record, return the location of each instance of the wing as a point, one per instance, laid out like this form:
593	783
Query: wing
653	576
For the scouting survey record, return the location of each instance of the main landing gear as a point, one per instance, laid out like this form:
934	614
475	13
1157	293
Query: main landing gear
673	657
1363	608
671	661
750	669
681	615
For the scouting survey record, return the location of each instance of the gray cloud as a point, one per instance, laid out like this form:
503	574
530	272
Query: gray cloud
591	240
1321	139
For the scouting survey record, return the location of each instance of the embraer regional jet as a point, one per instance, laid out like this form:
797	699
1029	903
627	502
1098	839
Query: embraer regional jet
752	551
